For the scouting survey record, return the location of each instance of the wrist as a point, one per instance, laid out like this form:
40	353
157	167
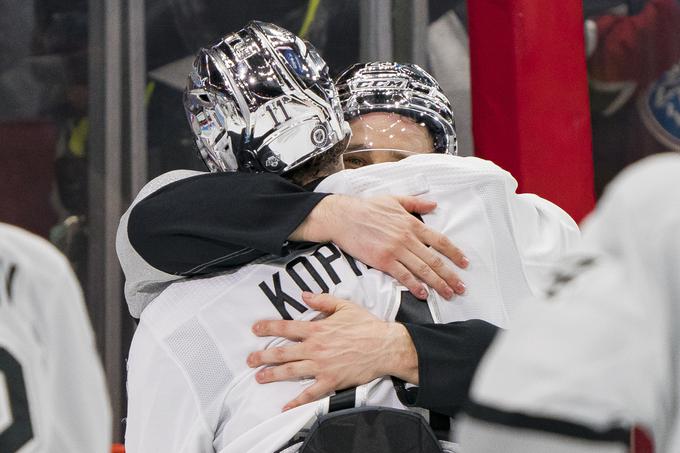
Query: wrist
402	358
318	224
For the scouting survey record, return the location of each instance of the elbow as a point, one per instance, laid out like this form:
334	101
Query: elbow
140	227
149	240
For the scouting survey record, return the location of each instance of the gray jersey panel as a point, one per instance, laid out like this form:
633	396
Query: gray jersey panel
143	282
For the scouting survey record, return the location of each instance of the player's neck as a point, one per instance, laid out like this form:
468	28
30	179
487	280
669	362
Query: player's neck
331	168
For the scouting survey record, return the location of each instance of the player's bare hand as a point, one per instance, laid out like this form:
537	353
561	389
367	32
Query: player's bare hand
381	232
348	348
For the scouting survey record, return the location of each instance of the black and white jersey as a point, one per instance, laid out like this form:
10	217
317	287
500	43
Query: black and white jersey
189	387
52	390
143	282
600	354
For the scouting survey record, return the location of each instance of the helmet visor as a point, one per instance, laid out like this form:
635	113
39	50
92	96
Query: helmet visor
389	131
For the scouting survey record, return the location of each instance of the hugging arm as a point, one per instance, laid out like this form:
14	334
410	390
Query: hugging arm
448	357
352	347
208	223
216	221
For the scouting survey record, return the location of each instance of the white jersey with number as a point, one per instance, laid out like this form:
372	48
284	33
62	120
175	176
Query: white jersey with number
608	358
189	387
52	390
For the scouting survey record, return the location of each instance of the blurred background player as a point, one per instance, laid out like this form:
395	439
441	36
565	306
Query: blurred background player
51	381
608	359
633	49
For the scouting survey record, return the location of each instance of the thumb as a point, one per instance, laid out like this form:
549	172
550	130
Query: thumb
415	204
325	303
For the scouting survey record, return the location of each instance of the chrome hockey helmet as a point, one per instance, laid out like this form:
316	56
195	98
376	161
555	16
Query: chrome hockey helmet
405	89
261	99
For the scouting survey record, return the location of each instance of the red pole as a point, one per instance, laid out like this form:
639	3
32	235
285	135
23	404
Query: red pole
531	111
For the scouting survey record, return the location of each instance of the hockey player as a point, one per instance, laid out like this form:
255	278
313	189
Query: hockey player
608	357
193	339
52	390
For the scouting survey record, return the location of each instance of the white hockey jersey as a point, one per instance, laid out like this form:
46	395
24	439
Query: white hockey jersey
52	390
143	282
189	387
608	358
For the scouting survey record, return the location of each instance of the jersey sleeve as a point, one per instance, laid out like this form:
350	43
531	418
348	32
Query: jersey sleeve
544	233
575	373
441	348
143	280
187	223
163	410
215	221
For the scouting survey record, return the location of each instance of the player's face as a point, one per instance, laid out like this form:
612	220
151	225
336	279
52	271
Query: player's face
385	137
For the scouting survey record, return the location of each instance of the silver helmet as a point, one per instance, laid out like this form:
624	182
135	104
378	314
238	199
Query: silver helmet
406	89
261	99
